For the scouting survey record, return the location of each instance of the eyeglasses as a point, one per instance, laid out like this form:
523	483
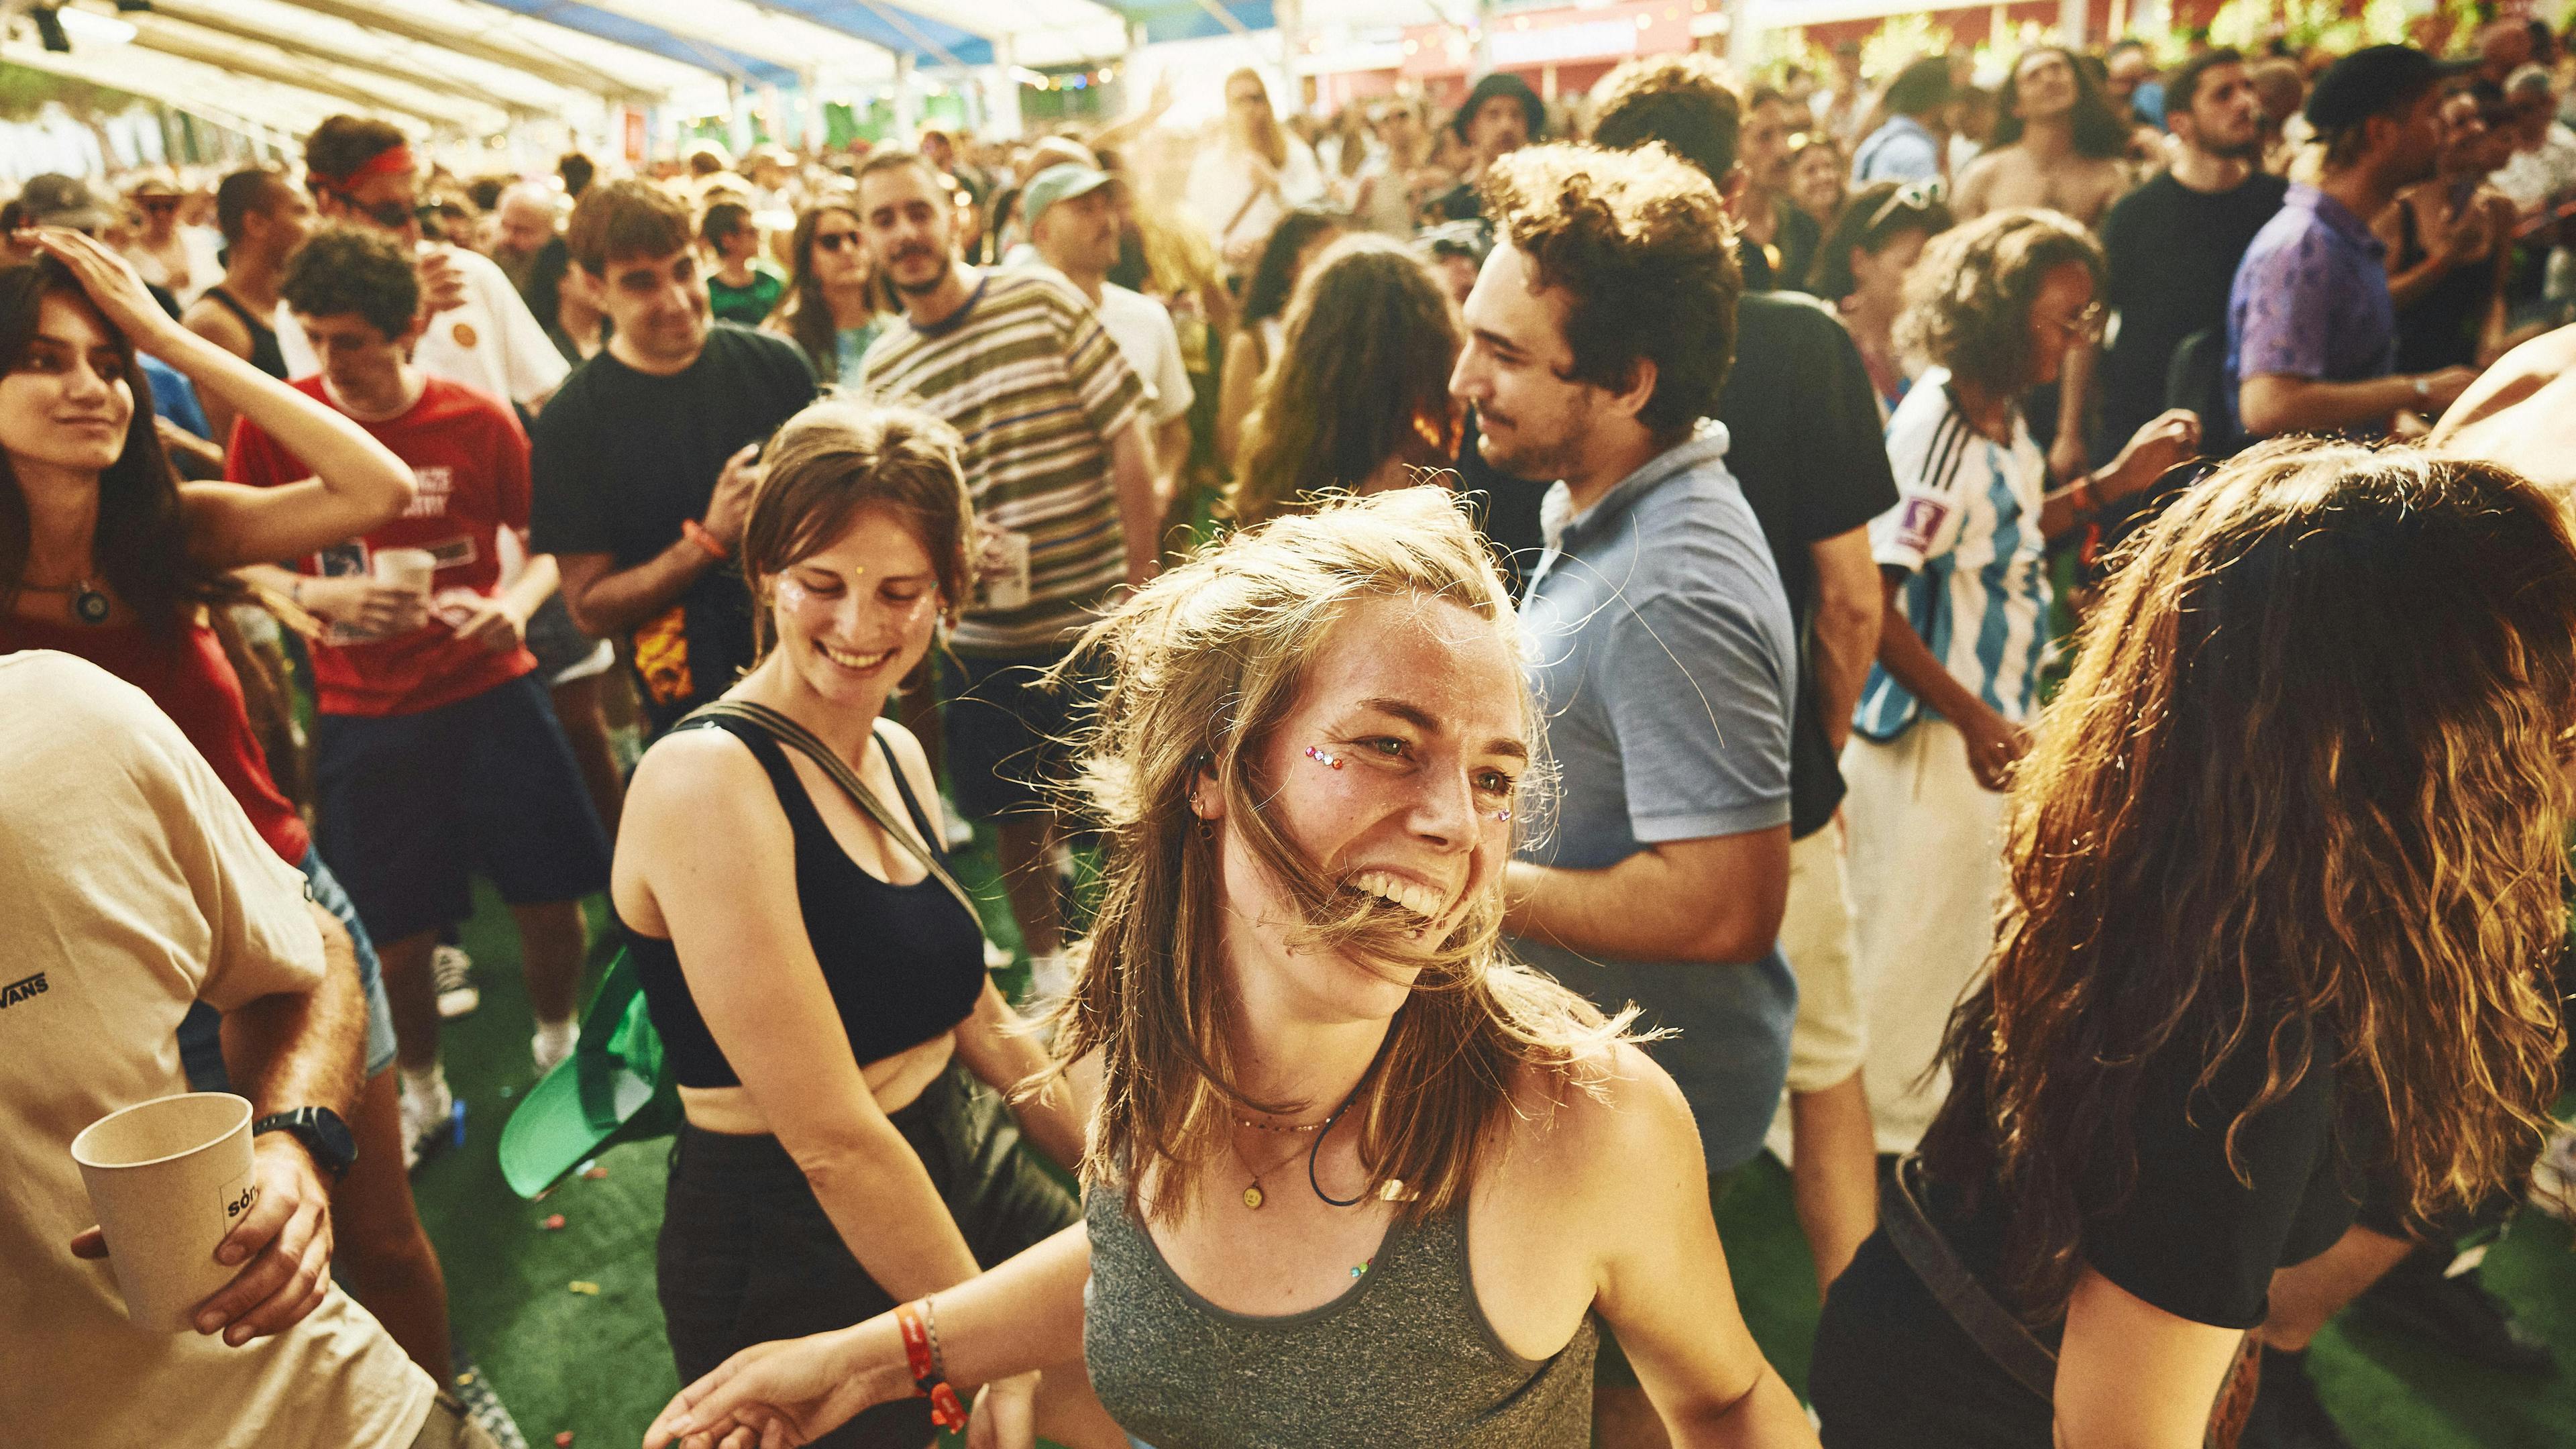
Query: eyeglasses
157	203
2084	326
833	241
1921	195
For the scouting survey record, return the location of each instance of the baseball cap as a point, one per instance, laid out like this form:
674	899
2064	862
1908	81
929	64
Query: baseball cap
54	199
1061	182
2374	81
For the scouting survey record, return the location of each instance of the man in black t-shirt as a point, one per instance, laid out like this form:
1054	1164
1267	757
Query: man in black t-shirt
2174	243
1805	447
643	462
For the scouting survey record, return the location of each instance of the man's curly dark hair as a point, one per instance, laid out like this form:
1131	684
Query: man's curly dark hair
1967	302
1683	101
1642	247
343	269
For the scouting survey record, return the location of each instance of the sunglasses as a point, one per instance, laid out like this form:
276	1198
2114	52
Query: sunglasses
1913	196
833	241
157	203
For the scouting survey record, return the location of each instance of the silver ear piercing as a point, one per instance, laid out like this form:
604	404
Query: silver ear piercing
1320	756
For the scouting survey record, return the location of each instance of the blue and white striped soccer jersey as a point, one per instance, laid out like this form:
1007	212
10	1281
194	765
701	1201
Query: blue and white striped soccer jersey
1966	529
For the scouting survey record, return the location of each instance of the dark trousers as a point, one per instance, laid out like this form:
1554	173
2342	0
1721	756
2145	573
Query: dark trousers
747	1253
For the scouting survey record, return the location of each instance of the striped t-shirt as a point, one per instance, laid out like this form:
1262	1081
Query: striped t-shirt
1036	388
1965	529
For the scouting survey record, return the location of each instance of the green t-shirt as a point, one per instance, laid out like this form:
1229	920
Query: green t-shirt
746	305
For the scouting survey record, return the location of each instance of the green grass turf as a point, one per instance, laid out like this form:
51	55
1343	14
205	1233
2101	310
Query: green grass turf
598	1365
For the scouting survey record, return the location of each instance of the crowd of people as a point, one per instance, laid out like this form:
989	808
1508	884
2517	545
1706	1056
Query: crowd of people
1545	617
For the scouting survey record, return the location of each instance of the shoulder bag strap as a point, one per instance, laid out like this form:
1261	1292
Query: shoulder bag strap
1988	1323
788	732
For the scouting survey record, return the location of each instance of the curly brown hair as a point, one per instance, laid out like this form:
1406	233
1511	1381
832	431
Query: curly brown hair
1683	101
1967	302
1362	377
1642	246
2304	786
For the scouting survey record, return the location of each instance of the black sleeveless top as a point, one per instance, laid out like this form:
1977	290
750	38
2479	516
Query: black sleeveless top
905	963
265	354
2440	328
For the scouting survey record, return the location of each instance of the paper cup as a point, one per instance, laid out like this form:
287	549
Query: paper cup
168	1179
406	568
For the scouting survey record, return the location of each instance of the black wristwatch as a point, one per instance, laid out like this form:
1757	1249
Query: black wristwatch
322	1133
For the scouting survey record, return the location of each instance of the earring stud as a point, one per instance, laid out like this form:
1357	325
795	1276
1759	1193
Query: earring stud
1322	757
1504	816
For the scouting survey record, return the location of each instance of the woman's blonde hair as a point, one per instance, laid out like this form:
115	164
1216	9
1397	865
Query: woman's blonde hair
1269	137
1200	666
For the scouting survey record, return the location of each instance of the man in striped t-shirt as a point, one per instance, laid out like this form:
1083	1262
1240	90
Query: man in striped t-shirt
1058	460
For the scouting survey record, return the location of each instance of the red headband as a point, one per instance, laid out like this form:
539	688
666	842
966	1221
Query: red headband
383	163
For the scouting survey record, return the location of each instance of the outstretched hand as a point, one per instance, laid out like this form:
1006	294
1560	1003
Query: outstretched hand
772	1396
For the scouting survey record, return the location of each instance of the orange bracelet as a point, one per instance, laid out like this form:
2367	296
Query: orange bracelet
695	532
928	1374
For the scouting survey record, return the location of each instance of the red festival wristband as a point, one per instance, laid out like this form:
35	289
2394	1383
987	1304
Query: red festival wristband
696	532
921	1357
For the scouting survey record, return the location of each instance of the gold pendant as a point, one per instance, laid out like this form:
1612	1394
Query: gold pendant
1252	1196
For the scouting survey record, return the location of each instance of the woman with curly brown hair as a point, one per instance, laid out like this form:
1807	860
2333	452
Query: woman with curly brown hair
1995	307
1355	1178
2285	900
1359	397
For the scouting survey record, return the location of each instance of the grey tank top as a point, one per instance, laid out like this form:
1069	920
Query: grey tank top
1405	1356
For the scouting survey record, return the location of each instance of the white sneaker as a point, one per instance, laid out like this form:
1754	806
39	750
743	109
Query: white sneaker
428	1119
452	972
2553	1177
547	1060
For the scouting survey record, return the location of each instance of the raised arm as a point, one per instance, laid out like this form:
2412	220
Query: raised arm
358	483
606	600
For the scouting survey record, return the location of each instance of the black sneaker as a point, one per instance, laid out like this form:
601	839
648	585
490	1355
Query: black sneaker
2286	1412
2456	1313
483	1406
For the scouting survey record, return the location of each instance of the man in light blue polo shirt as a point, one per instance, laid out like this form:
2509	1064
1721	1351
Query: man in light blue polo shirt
1659	640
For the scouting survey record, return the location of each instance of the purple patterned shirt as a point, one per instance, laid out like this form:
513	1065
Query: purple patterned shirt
2311	299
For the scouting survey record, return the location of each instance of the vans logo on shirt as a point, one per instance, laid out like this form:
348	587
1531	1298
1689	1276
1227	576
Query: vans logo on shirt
21	990
433	484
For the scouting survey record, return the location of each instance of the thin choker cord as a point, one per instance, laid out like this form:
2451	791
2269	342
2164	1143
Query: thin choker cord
1327	1130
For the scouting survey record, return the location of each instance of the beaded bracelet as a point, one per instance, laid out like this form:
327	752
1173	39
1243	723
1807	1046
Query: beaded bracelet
921	1354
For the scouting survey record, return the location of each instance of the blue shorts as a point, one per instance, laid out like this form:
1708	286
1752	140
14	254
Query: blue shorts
201	1047
409	806
1005	733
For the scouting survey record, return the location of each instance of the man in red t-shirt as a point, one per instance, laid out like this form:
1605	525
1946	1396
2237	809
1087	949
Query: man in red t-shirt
437	752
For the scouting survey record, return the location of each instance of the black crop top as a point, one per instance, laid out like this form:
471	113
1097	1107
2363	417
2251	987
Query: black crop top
905	963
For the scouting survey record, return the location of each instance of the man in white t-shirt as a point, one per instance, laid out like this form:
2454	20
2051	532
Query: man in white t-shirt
362	173
1072	213
136	887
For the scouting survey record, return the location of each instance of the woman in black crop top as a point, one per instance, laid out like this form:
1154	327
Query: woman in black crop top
821	997
2285	867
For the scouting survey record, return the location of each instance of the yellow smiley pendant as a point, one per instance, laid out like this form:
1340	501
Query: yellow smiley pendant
1252	1197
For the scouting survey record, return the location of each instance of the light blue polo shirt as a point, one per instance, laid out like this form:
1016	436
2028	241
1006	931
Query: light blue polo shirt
1662	653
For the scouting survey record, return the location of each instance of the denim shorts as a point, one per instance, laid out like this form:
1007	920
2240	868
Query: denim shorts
201	1048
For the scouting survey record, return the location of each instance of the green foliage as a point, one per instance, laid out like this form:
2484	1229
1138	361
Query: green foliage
25	91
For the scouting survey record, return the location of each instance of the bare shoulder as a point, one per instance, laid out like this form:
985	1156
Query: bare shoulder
212	321
701	778
1607	1110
